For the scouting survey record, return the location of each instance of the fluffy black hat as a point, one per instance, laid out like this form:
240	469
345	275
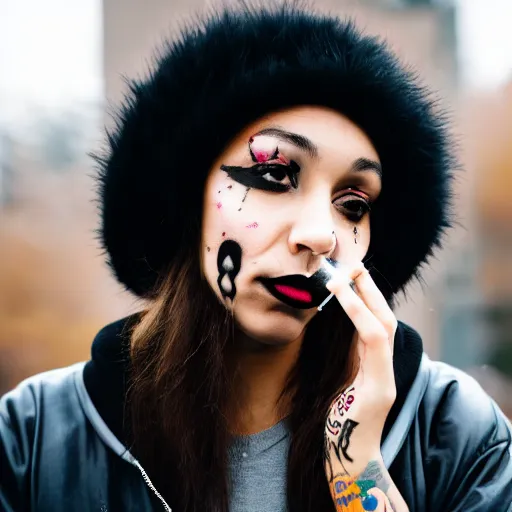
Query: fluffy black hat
234	67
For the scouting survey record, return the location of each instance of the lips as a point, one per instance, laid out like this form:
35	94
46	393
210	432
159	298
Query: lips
299	291
294	293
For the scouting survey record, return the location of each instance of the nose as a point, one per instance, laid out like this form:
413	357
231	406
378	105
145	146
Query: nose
313	229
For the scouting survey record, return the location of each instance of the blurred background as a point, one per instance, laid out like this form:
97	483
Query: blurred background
61	68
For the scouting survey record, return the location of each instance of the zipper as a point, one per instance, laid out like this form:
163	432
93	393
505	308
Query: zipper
136	463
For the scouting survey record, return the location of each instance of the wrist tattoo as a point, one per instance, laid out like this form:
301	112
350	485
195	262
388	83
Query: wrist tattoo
355	494
337	443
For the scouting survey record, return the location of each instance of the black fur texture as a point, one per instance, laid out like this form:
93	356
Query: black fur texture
230	69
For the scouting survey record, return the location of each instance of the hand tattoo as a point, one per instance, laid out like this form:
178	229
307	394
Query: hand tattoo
338	443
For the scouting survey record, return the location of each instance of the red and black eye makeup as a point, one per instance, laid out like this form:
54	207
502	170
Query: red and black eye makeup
272	171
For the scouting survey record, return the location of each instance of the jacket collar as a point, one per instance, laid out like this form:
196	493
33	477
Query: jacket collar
105	375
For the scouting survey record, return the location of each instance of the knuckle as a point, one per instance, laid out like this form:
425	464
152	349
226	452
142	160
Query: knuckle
390	396
351	309
390	323
387	395
358	270
376	334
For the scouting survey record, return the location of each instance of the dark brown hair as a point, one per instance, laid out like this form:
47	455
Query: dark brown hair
181	389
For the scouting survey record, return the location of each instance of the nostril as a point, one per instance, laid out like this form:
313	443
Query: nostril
302	247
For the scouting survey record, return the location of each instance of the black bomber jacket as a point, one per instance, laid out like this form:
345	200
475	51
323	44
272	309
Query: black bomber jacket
446	443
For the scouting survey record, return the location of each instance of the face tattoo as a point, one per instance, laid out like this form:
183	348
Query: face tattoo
229	261
271	171
268	172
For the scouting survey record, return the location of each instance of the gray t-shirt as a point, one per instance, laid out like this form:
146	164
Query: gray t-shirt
258	465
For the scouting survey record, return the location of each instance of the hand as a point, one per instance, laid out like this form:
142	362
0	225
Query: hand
356	418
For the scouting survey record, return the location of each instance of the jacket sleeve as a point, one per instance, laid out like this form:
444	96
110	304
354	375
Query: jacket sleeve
487	481
472	452
18	422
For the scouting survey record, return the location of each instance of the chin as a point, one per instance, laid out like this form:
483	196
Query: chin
278	326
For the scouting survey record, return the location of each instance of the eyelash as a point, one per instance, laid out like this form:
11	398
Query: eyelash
359	206
253	177
355	208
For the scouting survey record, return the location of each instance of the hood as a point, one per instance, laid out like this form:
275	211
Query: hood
106	374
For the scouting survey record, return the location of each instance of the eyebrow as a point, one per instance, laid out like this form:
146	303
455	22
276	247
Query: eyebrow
365	164
297	140
301	142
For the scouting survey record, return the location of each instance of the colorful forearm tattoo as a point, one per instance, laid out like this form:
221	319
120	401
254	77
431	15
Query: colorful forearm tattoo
363	493
351	493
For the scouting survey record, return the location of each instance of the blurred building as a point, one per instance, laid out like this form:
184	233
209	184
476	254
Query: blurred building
493	205
6	170
55	290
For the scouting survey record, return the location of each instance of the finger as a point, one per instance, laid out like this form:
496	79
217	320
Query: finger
371	331
375	301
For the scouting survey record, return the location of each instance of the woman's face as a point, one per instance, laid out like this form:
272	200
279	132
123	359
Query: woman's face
293	187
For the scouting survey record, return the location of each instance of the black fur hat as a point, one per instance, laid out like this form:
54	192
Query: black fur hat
229	70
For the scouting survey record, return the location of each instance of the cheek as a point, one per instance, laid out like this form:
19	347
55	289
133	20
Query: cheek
232	212
353	243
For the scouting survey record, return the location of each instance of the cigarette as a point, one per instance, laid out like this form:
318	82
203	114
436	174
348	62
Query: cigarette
352	285
325	301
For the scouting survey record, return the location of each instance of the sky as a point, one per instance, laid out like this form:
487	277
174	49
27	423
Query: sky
50	53
485	43
50	50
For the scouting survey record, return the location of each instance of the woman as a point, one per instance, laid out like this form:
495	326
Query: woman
268	189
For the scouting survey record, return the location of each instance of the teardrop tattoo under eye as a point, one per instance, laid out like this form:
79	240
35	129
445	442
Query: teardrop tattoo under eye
270	169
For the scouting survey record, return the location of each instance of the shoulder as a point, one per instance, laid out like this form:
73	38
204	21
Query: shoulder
34	414
53	381
38	395
456	401
465	439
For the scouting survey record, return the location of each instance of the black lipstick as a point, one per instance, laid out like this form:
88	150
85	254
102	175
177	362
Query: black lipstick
299	291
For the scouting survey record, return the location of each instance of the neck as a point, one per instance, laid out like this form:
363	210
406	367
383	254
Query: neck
260	376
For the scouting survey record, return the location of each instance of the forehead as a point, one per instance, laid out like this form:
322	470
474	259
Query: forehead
331	132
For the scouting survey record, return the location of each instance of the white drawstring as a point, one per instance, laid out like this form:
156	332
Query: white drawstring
150	485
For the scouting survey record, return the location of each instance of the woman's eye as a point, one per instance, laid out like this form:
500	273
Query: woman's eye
353	208
271	177
277	176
